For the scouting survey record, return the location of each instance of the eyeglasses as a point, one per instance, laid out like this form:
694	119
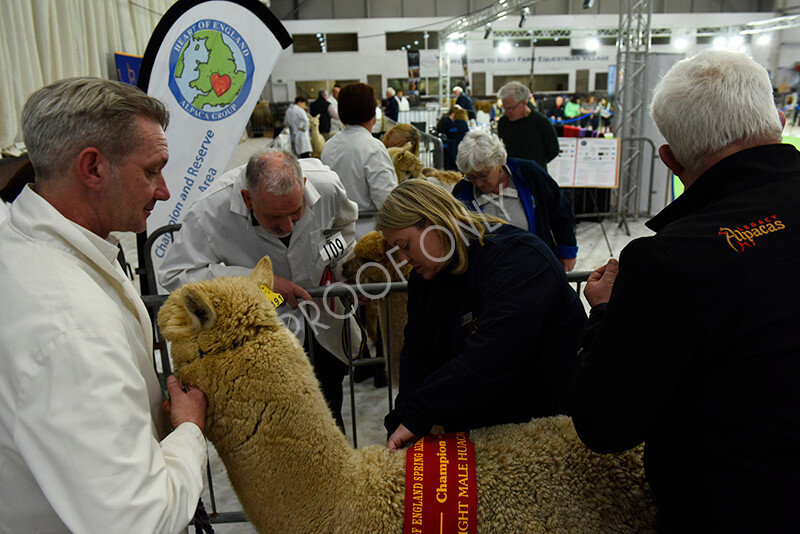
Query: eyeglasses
478	177
515	106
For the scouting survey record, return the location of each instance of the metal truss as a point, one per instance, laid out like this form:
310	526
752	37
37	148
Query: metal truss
457	31
631	78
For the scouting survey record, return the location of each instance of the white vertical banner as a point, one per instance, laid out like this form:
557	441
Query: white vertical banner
208	61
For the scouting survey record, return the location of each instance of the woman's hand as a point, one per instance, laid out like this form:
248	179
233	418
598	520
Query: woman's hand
400	437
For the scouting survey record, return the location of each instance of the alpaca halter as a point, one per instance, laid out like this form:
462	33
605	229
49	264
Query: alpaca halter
234	345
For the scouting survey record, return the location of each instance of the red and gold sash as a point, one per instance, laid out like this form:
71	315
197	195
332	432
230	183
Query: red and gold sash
440	485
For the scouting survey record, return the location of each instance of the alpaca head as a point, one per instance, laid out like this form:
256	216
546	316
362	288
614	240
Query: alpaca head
314	123
406	164
205	319
371	249
447	178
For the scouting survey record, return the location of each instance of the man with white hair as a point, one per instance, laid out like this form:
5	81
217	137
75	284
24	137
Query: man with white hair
691	346
391	107
463	100
526	133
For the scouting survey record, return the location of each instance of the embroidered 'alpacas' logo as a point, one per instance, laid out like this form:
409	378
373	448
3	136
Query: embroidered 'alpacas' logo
744	236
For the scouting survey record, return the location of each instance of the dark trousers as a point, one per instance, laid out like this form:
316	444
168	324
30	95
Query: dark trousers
330	372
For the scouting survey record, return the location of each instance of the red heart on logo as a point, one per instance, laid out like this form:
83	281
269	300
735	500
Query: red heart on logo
220	84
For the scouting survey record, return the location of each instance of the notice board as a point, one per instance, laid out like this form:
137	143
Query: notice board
586	162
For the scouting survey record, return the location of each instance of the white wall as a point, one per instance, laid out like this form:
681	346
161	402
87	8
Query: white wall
373	58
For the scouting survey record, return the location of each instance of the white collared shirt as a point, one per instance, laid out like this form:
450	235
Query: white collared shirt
363	164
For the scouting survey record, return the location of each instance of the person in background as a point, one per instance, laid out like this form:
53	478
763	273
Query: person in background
325	111
572	109
279	207
589	112
527	134
605	113
493	326
297	120
556	112
497	110
402	134
84	439
464	101
402	101
691	346
333	110
455	133
518	191
390	105
360	160
446	121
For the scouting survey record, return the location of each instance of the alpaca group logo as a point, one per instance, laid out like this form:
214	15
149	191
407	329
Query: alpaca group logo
211	70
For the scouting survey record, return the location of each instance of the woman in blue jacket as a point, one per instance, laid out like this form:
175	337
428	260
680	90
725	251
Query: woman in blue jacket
493	326
518	191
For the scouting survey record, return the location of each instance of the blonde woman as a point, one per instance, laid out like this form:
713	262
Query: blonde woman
493	326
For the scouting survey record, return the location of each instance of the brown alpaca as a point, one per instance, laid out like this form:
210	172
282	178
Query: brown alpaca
371	250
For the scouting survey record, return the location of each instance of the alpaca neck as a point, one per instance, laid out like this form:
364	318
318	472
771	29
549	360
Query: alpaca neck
281	432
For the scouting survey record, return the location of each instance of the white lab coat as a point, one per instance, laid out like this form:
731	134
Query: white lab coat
403	104
297	120
80	405
218	238
363	164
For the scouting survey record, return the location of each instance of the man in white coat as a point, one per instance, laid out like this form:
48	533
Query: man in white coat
296	119
286	209
82	446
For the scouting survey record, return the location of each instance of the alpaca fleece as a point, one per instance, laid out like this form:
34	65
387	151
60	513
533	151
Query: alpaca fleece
294	471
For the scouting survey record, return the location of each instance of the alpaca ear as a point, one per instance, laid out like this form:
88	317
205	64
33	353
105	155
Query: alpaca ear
262	274
185	314
200	310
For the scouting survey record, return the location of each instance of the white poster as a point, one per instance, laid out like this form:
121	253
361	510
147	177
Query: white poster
586	162
208	60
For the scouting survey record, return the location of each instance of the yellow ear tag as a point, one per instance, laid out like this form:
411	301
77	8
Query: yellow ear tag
275	298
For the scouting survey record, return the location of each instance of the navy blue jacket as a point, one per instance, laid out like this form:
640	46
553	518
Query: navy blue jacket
547	209
496	344
465	102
